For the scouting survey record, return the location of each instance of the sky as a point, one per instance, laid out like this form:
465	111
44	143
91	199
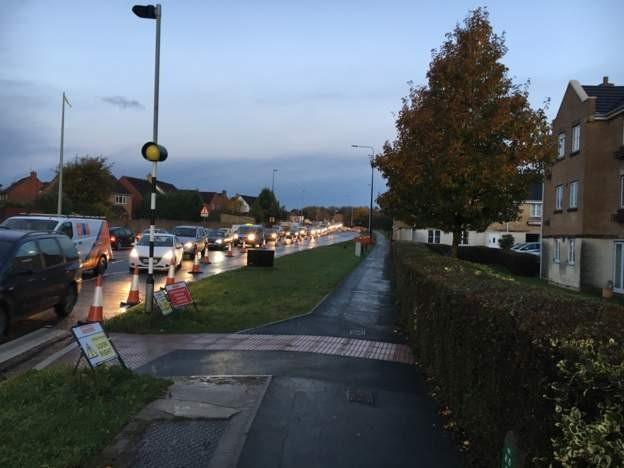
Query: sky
248	87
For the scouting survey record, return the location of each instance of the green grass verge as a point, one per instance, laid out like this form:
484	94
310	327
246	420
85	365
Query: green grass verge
56	418
249	297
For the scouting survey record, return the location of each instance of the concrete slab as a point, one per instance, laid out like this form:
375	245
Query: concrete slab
193	409
28	343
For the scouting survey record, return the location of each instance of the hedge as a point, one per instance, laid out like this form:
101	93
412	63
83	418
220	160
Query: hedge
508	356
518	263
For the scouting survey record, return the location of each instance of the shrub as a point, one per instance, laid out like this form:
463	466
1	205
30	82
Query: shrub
511	357
506	241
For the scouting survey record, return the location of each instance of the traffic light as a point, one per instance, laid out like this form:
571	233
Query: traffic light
154	152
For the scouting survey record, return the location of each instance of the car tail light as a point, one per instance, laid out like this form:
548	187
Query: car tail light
113	238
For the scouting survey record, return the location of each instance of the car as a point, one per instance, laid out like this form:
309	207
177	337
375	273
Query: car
271	235
217	239
89	234
193	239
38	270
156	231
121	238
168	250
252	235
532	248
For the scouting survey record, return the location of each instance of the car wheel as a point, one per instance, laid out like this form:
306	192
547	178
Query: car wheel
101	266
4	321
65	307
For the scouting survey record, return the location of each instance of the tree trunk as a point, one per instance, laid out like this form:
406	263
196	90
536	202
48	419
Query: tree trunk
455	244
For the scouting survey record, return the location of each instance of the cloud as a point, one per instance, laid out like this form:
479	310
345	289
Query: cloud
123	103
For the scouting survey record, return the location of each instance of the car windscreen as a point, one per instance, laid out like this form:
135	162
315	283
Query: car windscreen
246	229
5	249
214	233
30	224
159	241
185	232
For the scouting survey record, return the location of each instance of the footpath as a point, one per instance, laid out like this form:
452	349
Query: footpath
334	388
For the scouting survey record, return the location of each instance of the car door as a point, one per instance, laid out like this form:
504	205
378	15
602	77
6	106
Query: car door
54	278
26	279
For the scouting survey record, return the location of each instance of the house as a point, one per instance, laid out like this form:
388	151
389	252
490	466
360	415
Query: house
23	191
214	201
245	202
584	190
526	228
140	189
121	199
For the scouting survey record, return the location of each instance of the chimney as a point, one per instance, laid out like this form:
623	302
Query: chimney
33	175
605	81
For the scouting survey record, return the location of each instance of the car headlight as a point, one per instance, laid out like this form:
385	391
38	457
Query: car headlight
235	236
168	255
274	236
188	245
251	236
219	241
134	253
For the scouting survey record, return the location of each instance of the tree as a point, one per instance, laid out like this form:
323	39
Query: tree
182	205
265	206
506	241
468	143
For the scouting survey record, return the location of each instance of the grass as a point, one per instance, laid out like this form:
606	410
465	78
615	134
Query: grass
249	297
54	417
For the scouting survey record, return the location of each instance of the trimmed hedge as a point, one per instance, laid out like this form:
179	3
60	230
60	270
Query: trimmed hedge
518	263
510	356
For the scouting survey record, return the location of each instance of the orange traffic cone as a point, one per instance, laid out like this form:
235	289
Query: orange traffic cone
171	275
206	259
195	269
244	248
133	295
96	311
263	243
229	251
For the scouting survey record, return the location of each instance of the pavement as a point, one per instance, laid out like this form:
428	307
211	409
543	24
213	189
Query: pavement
334	397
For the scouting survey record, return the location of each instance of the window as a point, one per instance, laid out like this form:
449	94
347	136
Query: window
571	251
561	152
433	236
69	249
618	274
51	251
622	191
557	255
535	210
576	138
67	229
574	194
27	258
464	238
121	199
559	197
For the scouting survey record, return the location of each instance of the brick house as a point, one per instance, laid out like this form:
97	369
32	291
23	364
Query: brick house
121	199
584	190
214	201
139	190
23	191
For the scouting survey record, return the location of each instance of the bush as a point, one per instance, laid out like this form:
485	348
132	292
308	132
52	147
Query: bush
515	357
506	241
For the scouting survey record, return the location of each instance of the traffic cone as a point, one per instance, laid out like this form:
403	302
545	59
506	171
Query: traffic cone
133	295
96	311
195	269
229	251
171	275
244	248
206	259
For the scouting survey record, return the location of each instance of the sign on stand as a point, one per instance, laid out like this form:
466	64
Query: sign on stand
204	213
95	345
179	295
162	301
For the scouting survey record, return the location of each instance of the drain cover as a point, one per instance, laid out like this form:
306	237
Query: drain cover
359	332
358	395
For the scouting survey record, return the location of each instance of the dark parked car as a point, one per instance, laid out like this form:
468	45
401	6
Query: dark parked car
38	270
121	238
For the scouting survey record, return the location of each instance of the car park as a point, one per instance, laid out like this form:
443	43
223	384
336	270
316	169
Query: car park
89	234
193	239
38	270
121	238
168	250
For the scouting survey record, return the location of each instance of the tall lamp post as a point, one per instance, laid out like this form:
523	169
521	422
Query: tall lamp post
370	211
273	182
152	12
59	206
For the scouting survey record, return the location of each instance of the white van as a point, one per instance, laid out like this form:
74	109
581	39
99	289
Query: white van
89	234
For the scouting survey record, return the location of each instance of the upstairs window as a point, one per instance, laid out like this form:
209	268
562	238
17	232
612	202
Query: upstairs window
561	152
121	199
576	138
574	194
536	210
559	197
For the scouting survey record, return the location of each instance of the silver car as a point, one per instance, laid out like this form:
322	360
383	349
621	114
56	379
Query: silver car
193	239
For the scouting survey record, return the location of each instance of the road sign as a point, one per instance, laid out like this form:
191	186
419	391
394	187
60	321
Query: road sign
162	301
95	344
179	295
204	212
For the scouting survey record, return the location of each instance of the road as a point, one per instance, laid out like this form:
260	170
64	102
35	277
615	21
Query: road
117	281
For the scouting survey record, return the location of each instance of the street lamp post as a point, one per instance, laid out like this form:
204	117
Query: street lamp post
273	182
372	164
59	206
152	12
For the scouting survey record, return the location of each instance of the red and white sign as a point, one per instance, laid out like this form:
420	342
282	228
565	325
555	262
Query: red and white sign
179	294
204	212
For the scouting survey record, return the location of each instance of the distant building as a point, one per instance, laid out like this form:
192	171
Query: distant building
245	202
214	201
139	190
584	192
121	199
23	191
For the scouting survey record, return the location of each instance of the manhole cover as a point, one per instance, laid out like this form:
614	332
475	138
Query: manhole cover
358	332
357	395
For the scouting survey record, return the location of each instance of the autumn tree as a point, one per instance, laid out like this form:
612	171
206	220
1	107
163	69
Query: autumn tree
468	143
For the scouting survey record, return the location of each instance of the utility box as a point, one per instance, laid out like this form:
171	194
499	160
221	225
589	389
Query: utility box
260	257
358	249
